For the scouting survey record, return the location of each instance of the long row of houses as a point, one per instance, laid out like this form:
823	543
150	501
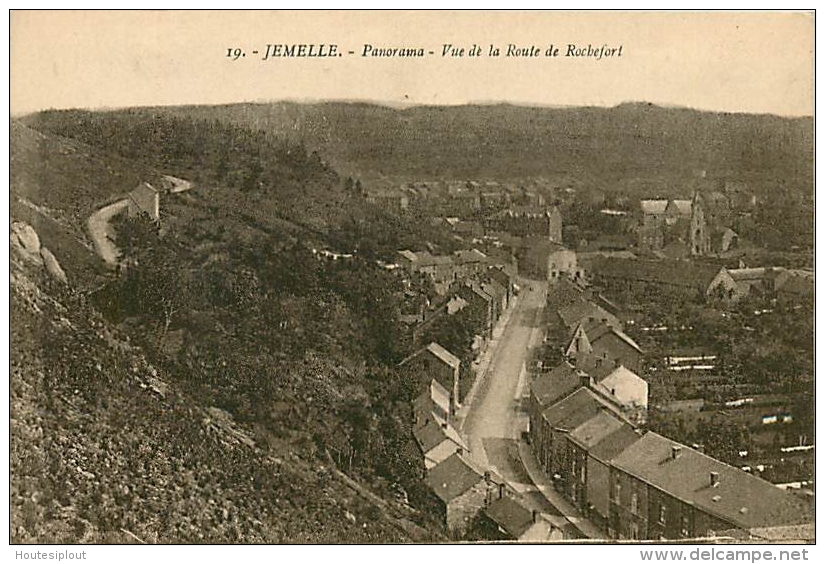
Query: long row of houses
641	485
586	417
470	499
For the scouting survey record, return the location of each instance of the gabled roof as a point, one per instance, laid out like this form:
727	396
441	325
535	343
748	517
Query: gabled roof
582	310
439	352
409	255
681	273
557	384
597	330
471	256
145	187
434	396
615	443
499	276
452	478
739	498
654	206
595	429
562	294
683	206
575	409
445	355
596	367
742	274
510	515
436	431
494	288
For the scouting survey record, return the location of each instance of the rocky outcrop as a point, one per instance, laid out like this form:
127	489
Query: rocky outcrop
52	266
24	240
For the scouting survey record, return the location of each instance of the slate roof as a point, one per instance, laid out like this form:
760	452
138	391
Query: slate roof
687	274
409	255
683	206
595	330
741	274
582	310
434	396
563	293
452	478
575	409
739	498
443	354
557	384
510	515
440	352
653	206
595	429
435	432
615	443
473	255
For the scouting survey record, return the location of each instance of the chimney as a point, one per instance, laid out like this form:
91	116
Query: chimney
487	477
675	451
584	379
535	516
444	426
714	479
501	490
459	451
598	362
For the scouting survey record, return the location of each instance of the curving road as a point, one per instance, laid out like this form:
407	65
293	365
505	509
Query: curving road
102	233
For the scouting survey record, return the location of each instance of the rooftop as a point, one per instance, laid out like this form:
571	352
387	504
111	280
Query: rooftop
576	408
444	354
434	432
653	206
687	274
557	384
452	477
738	497
582	310
510	515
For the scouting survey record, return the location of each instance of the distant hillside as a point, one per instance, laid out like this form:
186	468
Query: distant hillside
614	145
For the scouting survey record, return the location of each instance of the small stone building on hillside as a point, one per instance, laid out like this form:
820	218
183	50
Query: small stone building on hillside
145	199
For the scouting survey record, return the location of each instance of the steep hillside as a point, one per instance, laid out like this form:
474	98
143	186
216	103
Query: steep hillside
106	448
622	145
226	386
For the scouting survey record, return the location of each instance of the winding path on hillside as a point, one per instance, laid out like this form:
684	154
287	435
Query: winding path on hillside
103	236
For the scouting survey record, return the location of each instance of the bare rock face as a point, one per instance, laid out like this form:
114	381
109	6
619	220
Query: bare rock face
53	266
23	238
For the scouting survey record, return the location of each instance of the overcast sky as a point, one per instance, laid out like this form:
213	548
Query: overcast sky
745	62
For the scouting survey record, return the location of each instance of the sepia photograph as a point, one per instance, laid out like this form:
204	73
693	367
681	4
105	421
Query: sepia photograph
412	277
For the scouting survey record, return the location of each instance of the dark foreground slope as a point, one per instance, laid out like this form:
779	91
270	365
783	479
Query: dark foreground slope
105	448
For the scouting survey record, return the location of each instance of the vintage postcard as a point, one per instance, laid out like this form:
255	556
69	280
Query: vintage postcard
426	277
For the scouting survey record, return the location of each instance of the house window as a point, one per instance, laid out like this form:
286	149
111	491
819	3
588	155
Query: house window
634	531
617	490
662	514
634	503
685	526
